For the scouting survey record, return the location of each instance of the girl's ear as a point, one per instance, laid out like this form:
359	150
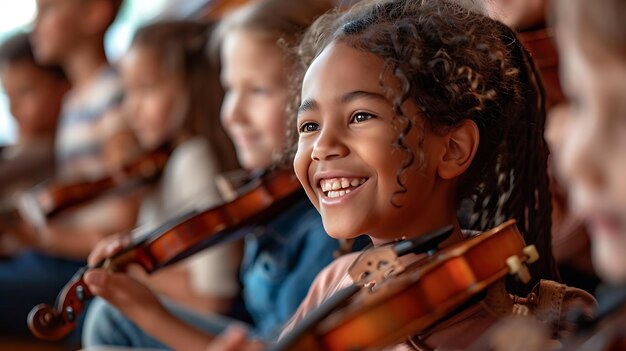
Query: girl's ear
461	144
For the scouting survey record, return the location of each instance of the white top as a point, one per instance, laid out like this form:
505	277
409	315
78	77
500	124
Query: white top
188	183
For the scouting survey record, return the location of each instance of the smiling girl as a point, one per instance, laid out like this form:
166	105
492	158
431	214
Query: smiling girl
407	109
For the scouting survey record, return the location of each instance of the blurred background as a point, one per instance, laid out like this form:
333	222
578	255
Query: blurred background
16	16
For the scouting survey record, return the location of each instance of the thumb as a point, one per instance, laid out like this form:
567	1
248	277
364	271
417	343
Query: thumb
104	283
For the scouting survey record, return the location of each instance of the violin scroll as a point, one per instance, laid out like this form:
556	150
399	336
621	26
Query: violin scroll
54	323
47	324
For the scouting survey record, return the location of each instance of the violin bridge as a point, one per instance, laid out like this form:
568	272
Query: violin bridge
374	266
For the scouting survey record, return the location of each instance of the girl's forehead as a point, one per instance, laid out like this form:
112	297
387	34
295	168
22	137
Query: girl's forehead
340	68
340	61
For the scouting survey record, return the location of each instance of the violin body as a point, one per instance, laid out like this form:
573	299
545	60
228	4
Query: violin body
170	243
404	305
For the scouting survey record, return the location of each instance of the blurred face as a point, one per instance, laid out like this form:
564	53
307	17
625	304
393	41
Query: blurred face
592	153
56	29
35	97
155	103
345	158
518	14
253	111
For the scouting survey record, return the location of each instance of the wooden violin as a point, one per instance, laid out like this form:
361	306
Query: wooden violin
52	197
374	314
541	45
171	242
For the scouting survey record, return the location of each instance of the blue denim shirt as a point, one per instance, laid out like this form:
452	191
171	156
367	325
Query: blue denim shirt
280	261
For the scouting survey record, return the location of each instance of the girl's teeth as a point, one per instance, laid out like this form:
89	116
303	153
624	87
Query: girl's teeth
337	187
344	183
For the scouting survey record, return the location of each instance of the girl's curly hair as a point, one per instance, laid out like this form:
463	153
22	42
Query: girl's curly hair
456	64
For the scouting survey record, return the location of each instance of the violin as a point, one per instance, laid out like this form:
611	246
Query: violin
541	45
52	197
259	200
386	308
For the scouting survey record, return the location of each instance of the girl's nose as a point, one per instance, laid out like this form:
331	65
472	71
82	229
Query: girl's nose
329	145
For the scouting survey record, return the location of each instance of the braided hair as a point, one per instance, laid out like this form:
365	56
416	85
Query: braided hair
456	64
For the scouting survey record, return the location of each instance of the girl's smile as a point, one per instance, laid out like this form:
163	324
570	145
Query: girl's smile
336	188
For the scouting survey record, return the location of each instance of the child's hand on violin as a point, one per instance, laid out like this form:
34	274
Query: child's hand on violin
234	339
108	247
131	297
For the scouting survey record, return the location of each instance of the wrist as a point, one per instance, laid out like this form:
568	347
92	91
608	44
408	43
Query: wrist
153	319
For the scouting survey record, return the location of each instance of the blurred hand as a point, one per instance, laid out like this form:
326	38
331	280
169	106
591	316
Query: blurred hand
132	298
108	247
234	339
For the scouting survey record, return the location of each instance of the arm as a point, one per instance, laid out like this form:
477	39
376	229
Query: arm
76	234
139	303
141	306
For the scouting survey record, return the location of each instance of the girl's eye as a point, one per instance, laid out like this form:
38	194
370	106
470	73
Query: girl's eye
361	117
308	127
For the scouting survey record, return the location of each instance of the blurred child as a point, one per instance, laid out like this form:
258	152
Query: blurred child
592	149
35	94
70	34
569	234
173	98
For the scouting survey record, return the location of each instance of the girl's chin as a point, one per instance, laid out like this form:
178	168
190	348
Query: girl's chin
340	233
342	236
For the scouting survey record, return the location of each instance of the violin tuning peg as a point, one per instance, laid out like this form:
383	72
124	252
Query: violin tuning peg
518	268
514	264
531	253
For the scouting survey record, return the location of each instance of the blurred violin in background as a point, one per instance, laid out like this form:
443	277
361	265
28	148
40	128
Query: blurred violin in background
52	197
